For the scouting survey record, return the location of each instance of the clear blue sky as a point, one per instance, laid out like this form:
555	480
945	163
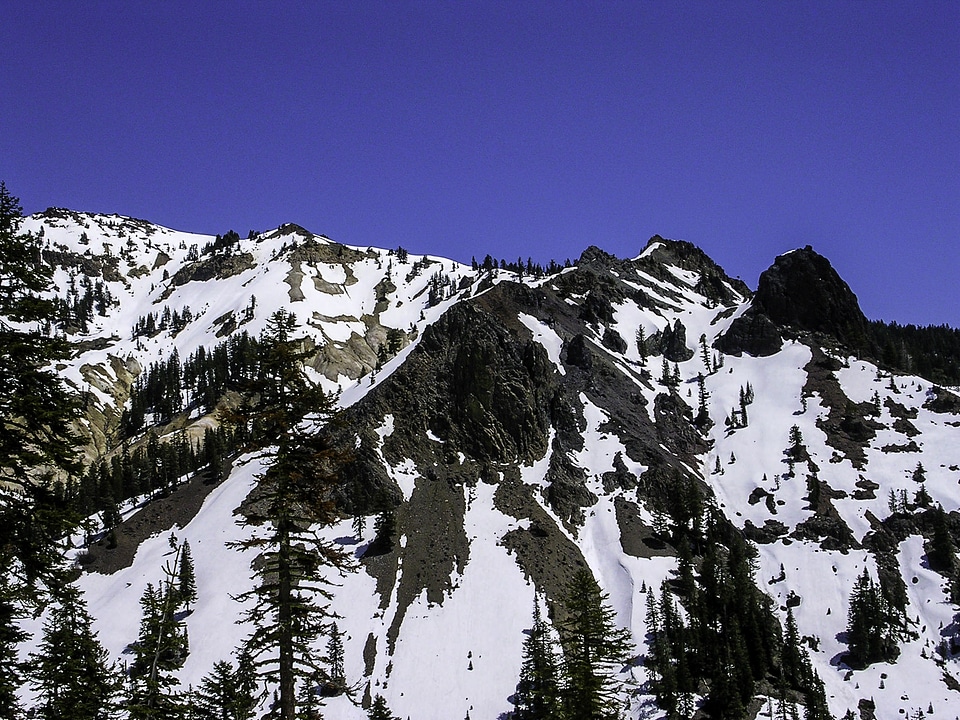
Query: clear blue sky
510	128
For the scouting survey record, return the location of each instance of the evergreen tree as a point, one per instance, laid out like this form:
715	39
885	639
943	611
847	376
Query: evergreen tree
336	682
594	651
943	553
385	526
36	443
186	578
11	669
282	412
379	710
538	690
871	625
642	346
919	474
70	670
160	649
791	655
227	692
702	419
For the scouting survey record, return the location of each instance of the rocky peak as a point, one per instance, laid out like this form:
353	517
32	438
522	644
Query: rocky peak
714	282
802	290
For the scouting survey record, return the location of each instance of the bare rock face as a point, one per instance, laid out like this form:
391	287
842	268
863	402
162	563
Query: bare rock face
800	292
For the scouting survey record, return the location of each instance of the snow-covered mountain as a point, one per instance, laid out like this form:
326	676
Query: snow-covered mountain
521	426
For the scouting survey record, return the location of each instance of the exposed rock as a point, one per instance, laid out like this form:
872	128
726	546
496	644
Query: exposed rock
217	266
943	401
752	333
771	531
848	425
802	290
578	353
713	282
613	341
636	538
671	342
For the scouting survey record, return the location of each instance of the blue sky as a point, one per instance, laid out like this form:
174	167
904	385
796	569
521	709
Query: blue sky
518	129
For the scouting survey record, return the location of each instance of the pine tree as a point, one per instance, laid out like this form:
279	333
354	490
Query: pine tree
919	474
538	690
227	692
791	656
336	682
160	649
11	669
186	578
702	419
379	710
871	626
594	651
642	346
36	443
282	412
70	670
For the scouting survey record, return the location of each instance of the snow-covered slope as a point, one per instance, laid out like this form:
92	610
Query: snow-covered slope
582	435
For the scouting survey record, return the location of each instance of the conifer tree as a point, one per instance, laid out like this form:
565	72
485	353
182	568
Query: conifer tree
871	626
227	692
35	414
702	419
336	682
11	669
70	670
379	710
186	578
594	651
538	690
282	412
642	346
705	354
160	649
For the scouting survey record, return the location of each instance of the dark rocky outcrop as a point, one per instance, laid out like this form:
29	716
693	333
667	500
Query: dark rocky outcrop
800	293
752	333
671	342
802	290
943	401
217	266
713	282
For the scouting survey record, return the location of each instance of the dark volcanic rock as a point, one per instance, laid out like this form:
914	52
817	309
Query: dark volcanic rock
752	333
943	401
671	342
713	283
800	291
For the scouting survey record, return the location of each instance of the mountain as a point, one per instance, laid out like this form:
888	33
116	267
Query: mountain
640	418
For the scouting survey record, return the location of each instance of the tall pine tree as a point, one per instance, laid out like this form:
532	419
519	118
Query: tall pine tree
37	446
595	650
70	670
283	412
538	690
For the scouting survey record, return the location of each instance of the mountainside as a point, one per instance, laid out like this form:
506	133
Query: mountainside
515	426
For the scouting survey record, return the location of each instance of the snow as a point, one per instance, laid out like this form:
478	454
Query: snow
547	337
